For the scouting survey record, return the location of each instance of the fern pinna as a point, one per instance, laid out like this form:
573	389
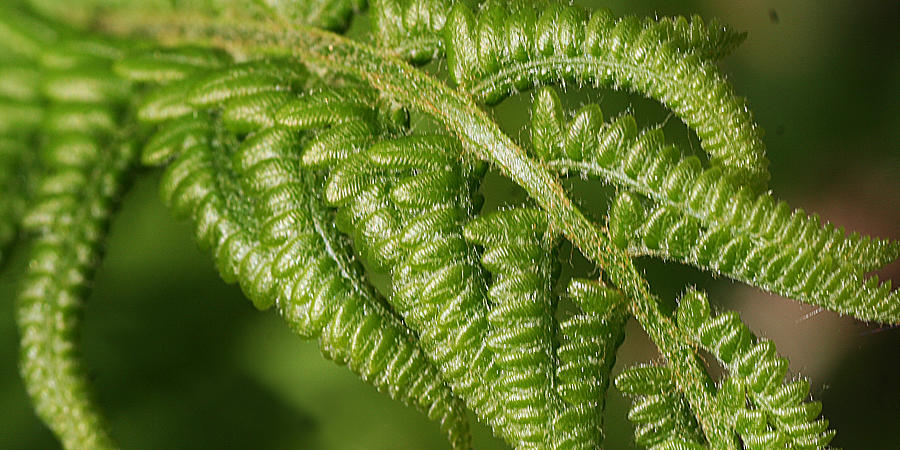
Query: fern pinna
296	153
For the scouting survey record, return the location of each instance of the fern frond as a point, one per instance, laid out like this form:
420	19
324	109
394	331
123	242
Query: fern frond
660	412
505	48
72	99
72	209
260	219
618	153
796	270
777	415
285	254
291	143
437	287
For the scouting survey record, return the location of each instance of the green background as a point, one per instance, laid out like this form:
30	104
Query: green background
180	360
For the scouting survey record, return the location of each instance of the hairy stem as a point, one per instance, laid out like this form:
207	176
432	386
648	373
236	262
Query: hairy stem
480	136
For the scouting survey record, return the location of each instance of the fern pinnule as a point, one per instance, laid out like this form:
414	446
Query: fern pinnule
165	65
253	112
328	107
659	410
245	79
777	415
168	102
171	138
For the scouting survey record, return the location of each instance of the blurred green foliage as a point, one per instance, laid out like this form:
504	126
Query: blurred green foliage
180	360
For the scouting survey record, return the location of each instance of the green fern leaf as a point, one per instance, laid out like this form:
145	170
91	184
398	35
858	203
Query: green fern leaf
66	92
777	415
296	152
795	270
703	218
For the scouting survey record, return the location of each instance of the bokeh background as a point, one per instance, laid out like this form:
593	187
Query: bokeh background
180	360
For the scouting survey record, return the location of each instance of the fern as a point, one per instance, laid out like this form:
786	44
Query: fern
295	153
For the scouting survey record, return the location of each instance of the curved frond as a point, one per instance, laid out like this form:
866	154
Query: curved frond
505	48
84	162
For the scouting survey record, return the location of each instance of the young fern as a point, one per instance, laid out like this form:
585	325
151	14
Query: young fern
296	152
287	255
